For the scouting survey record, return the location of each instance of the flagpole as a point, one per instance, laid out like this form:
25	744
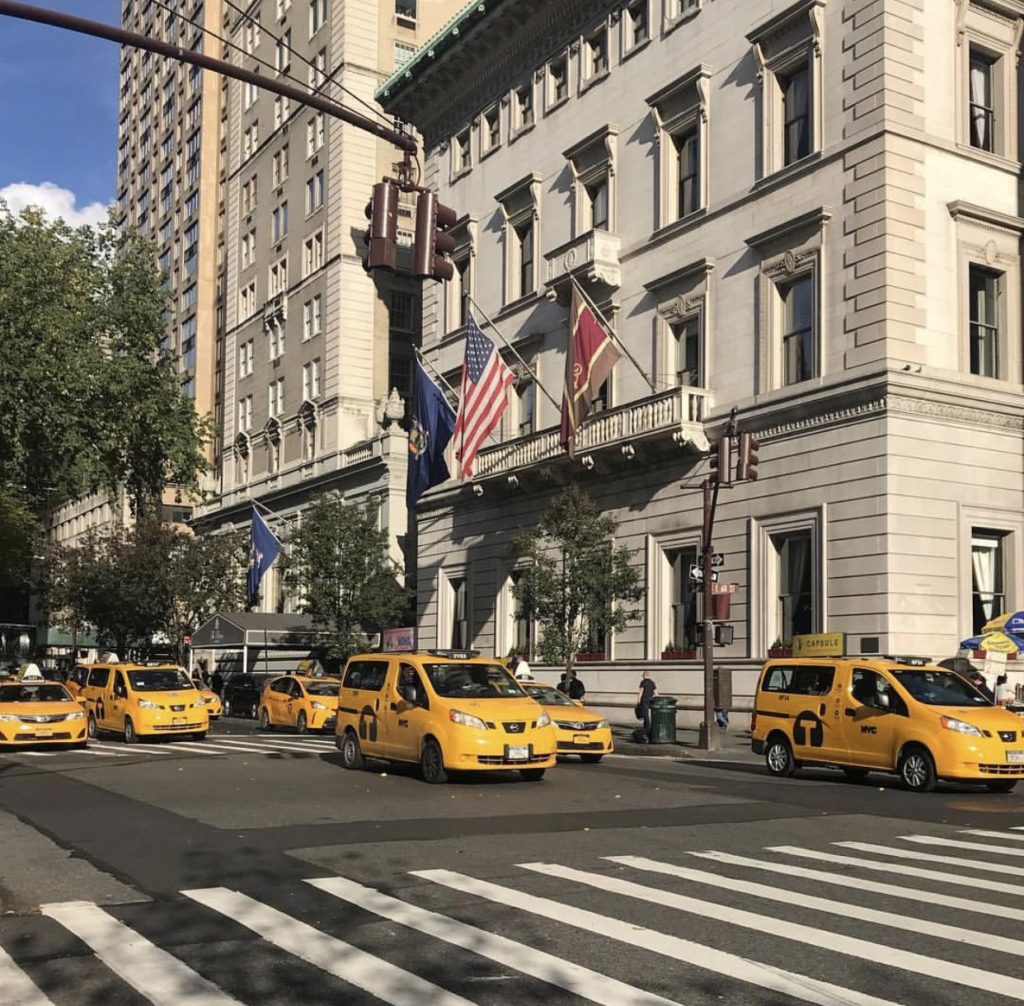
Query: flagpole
515	352
611	333
287	521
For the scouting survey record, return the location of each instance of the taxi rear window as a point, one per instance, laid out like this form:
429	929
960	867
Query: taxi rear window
366	674
797	680
34	693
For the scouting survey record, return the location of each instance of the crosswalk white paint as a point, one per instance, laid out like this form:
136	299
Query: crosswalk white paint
583	982
852	946
156	974
989	850
802	988
860	884
387	982
844	909
929	857
17	988
1002	835
900	869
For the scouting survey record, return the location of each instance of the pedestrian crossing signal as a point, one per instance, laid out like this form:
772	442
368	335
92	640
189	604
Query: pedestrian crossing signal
746	463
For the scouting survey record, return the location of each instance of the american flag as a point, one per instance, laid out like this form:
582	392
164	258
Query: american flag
482	398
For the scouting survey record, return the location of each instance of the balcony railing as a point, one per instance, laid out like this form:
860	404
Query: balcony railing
678	413
594	256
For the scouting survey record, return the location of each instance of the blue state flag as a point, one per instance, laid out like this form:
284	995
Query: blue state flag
433	422
263	550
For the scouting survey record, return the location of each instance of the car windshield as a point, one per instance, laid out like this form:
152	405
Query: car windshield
941	688
478	681
321	687
548	696
165	679
34	693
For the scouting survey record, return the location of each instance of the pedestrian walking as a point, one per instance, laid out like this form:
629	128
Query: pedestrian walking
978	680
646	694
571	686
521	670
1005	692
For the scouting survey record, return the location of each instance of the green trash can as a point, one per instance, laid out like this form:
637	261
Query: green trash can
663	720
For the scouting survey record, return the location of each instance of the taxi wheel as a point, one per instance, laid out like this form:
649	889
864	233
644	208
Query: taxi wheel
778	756
130	736
591	759
1000	785
917	770
301	724
91	727
265	719
432	763
351	752
532	774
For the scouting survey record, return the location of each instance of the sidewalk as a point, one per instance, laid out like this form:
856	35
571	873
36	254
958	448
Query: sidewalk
734	745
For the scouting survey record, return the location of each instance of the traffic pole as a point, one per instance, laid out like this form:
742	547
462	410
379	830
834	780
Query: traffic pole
708	738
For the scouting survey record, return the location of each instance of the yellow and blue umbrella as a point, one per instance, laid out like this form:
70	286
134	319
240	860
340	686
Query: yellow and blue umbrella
1002	634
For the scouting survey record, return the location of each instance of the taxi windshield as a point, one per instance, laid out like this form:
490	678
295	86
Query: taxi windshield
321	687
164	679
548	696
940	688
478	681
34	693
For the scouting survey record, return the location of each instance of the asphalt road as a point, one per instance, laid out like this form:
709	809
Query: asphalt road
254	869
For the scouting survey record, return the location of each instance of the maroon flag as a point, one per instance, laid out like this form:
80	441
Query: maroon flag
589	360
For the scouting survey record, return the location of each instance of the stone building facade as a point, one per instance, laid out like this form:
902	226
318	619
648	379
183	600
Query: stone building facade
316	354
807	212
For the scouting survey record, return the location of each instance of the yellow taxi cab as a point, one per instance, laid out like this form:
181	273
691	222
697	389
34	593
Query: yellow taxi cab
211	698
144	700
303	703
884	714
577	730
40	712
76	679
448	711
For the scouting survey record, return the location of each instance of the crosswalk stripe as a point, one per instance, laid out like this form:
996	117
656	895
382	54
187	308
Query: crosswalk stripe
154	973
198	748
928	857
142	749
357	967
978	833
270	746
859	884
962	880
800	987
233	748
844	909
37	754
993	850
19	990
581	981
850	945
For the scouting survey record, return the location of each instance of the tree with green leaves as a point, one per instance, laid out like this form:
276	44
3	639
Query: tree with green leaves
88	398
150	579
350	587
575	580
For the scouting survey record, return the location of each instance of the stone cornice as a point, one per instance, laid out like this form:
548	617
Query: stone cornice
810	221
972	213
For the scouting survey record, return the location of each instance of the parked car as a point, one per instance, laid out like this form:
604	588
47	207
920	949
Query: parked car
240	694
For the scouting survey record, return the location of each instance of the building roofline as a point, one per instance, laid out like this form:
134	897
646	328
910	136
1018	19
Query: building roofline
447	37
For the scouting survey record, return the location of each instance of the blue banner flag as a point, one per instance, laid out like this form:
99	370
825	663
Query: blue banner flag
433	422
263	550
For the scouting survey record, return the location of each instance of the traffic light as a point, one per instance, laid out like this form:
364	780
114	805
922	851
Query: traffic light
721	461
433	242
746	462
381	236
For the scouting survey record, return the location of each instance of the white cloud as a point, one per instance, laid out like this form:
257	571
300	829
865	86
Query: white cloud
53	200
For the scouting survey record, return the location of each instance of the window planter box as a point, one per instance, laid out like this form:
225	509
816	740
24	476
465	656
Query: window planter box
679	655
590	656
780	651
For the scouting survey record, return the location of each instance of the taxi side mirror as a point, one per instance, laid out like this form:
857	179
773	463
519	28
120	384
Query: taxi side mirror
578	702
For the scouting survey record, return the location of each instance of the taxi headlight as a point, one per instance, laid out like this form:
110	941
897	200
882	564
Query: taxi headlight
75	716
146	704
601	724
466	720
319	705
9	718
543	720
959	726
210	700
199	704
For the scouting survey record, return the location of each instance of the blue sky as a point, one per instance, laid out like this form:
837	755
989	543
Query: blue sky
58	111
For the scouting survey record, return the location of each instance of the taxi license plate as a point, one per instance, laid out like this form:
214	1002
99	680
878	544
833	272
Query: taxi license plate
178	719
518	753
44	733
1015	757
581	738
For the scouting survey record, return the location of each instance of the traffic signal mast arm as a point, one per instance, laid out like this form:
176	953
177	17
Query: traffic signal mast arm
58	19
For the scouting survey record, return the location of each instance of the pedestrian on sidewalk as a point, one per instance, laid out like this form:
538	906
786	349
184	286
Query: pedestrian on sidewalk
646	694
571	686
1005	692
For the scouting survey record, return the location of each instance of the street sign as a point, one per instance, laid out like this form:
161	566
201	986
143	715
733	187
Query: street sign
724	588
696	573
718	559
